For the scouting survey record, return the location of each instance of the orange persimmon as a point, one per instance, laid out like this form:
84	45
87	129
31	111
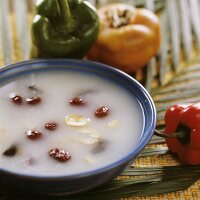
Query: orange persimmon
128	38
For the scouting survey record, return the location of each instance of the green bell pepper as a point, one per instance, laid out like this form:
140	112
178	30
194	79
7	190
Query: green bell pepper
63	28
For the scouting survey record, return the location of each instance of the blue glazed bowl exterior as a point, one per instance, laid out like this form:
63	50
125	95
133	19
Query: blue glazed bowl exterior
84	181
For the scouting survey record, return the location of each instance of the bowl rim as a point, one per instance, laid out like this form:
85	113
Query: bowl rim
128	157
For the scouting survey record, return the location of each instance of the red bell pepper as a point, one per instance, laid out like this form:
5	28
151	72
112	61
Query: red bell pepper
182	132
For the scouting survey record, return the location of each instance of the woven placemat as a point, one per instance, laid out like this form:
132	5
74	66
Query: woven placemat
192	193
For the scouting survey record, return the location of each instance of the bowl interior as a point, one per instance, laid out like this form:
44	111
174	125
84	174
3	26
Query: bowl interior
104	71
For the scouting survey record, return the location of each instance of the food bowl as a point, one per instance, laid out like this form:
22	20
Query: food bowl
78	181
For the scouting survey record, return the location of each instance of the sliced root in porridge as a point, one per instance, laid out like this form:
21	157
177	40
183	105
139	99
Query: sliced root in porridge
92	139
86	130
113	124
89	141
76	120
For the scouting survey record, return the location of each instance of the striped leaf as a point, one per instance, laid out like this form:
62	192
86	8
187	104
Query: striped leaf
23	30
194	7
163	180
183	87
5	32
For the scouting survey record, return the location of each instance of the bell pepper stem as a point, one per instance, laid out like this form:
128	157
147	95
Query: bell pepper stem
65	14
161	134
182	136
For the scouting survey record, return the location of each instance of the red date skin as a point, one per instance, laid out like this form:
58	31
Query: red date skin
33	135
77	101
33	100
102	112
17	99
51	126
59	154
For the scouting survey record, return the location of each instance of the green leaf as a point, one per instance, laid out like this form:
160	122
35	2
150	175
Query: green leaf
153	151
173	16
162	179
182	88
186	27
155	140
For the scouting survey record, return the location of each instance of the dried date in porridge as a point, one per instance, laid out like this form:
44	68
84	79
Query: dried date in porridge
59	154
16	99
51	126
11	151
102	112
33	100
33	135
77	101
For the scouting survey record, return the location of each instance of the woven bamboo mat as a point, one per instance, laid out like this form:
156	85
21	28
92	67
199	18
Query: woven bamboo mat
192	193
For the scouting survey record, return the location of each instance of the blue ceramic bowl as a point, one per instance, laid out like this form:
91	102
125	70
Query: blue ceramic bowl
83	181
